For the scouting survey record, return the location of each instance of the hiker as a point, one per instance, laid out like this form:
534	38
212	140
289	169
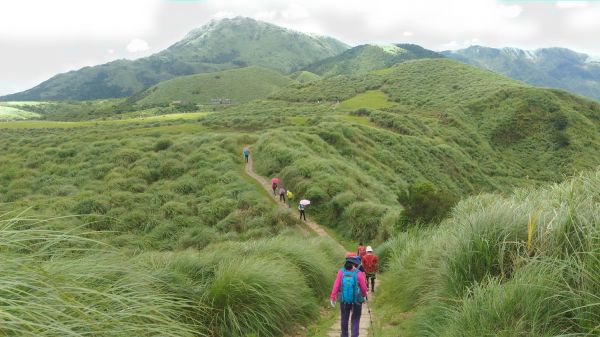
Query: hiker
246	153
301	209
274	186
350	286
360	251
289	195
282	194
369	264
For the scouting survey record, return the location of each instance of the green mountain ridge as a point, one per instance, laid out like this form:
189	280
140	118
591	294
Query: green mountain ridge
368	57
547	67
218	45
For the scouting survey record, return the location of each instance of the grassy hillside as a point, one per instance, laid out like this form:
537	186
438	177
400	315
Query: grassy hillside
365	58
548	67
169	196
524	265
218	45
240	85
14	111
304	76
460	128
152	225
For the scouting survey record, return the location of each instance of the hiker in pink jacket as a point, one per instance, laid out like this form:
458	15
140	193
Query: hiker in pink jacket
351	287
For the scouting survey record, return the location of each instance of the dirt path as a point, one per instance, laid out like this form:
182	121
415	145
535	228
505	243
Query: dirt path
335	330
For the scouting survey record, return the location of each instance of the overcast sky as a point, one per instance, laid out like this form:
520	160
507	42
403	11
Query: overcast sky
40	38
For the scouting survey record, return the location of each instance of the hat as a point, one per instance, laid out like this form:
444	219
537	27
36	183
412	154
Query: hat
350	254
355	260
369	249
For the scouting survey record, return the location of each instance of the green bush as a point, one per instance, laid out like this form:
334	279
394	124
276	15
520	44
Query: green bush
424	204
523	265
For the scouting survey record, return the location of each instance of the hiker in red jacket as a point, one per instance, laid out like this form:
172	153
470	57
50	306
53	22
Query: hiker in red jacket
360	251
369	264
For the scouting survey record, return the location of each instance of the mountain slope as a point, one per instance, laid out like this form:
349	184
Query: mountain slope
549	67
218	45
369	57
240	85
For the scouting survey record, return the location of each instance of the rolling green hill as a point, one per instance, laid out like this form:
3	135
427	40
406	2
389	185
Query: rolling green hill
218	45
240	85
14	111
369	57
462	129
304	76
547	67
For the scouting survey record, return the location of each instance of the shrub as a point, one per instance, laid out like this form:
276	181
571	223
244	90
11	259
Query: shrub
424	204
163	144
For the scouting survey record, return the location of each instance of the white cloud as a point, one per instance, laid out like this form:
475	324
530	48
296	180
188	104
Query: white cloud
291	12
110	51
571	4
137	45
76	18
511	11
223	15
585	20
407	33
451	45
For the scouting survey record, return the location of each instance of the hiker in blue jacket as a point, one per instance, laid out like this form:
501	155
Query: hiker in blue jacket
301	209
246	153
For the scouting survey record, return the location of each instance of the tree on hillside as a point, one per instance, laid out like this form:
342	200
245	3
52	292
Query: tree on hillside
423	203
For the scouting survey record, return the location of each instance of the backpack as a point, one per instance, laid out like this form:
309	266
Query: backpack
349	292
369	263
246	152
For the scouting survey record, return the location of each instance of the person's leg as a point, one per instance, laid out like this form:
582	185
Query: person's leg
304	215
356	311
345	317
373	283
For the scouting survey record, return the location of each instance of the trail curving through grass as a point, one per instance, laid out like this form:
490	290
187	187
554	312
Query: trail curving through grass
335	329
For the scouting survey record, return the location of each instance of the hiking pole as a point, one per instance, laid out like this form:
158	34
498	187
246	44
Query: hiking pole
370	317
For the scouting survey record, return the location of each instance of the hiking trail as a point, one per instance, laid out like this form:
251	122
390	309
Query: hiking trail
335	329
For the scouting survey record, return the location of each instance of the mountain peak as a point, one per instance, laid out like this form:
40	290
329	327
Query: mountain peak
218	45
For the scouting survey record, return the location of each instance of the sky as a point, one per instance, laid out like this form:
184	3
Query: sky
41	38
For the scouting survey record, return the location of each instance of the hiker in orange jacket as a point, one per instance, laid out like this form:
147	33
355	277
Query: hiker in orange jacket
369	264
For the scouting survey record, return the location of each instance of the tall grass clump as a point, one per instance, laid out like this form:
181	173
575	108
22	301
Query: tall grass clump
61	284
266	287
526	265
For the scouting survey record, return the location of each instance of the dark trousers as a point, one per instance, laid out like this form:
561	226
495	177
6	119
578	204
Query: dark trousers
274	186
282	197
346	309
246	158
372	277
302	214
